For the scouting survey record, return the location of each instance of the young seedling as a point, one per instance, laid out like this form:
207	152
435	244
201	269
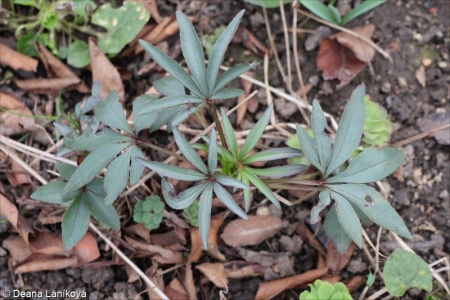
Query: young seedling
149	212
326	291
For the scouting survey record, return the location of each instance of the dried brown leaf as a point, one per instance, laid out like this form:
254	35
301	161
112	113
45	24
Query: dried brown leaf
15	116
87	249
17	175
215	272
138	230
46	243
309	237
17	247
196	248
268	290
175	290
335	261
173	240
251	105
41	262
104	71
158	253
11	214
277	265
354	283
246	37
16	60
421	76
242	269
362	50
213	247
188	282
152	8
251	232
52	86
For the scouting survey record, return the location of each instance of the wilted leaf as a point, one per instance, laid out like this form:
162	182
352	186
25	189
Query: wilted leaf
15	116
215	272
252	231
52	86
16	60
10	212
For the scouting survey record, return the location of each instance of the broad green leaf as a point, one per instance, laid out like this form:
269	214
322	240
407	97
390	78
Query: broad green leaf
169	101
96	186
404	270
192	51
322	140
335	232
256	132
182	199
229	133
110	112
262	187
169	86
325	290
117	176
228	200
50	193
172	67
78	54
280	171
136	168
122	24
230	74
273	154
350	130
79	7
101	212
319	9
189	152
185	113
364	7
324	201
335	14
92	165
348	218
65	170
173	171
75	222
143	121
26	43
229	181
204	213
308	147
227	93
370	165
89	141
218	51
267	3
212	152
373	206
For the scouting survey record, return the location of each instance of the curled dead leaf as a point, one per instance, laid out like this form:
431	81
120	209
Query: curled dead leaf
15	116
41	262
16	60
52	86
215	272
46	243
175	290
158	253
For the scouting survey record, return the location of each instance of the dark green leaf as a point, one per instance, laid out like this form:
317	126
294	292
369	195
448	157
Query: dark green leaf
335	232
228	200
26	43
212	152
370	165
280	171
373	205
256	132
273	154
218	51
104	214
96	186
165	117
192	51
75	222
92	165
348	218
110	112
319	9
228	181
227	93
335	14
231	74
189	152
308	147
50	193
78	54
229	133
364	7
350	130
89	141
169	86
322	140
262	188
117	176
144	121
204	213
325	200
182	199
171	67
136	168
185	113
65	170
173	171
167	102
404	270
267	3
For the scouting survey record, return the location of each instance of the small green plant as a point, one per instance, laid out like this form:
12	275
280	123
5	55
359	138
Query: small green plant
55	19
377	127
331	14
149	212
208	40
326	291
190	214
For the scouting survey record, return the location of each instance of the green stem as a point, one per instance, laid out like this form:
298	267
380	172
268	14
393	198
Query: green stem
215	117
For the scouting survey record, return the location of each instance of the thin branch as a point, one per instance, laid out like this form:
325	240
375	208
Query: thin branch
419	136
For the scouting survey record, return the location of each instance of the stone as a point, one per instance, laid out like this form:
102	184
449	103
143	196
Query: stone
444	195
402	82
386	87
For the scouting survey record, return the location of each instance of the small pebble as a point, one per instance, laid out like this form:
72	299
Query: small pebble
263	211
402	82
443	65
443	195
386	87
314	80
426	62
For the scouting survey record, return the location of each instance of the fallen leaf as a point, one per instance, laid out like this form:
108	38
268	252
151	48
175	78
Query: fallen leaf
46	243
15	116
246	37
343	56
52	86
57	69
132	275
268	290
173	240
16	60
196	248
175	220
242	269
251	232
335	261
213	247
251	105
309	237
17	175
188	282
174	290
354	283
87	249
37	262
11	214
138	230
17	247
104	71
152	8
420	76
215	272
159	254
277	265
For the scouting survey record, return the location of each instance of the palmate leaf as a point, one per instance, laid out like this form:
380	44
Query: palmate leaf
272	154
136	168
189	152
308	147
96	186
231	74
370	165
182	199
166	116
193	51
75	222
144	121
227	93
335	232
117	176
228	181
173	171
349	131
89	141
185	113
110	112
169	86
65	170
322	140
218	51
204	213
167	102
